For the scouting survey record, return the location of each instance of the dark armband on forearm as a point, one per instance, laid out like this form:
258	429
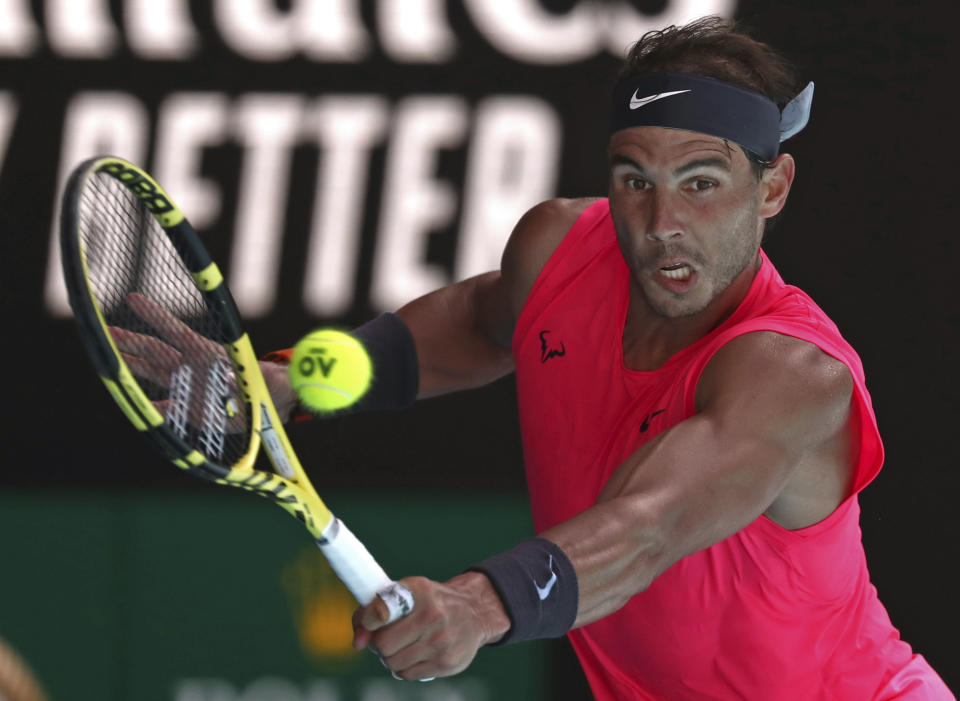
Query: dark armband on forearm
538	587
393	355
396	376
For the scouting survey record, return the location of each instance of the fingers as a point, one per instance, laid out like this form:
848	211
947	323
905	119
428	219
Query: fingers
398	600
371	617
166	324
147	357
361	637
179	345
376	616
152	356
147	370
439	638
141	344
404	661
169	326
418	673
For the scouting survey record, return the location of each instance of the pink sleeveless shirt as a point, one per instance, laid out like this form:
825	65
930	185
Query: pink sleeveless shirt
766	614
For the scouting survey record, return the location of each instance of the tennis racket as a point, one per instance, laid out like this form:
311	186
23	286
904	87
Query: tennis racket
164	334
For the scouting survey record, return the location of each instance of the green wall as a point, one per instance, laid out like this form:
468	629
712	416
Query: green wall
215	596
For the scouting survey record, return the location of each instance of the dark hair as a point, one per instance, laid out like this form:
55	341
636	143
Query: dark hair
720	49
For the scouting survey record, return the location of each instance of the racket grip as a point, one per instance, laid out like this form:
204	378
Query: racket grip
361	574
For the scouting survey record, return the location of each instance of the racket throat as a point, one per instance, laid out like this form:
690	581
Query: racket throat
273	443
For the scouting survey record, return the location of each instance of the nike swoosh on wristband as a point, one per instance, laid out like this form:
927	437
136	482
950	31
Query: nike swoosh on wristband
544	591
637	102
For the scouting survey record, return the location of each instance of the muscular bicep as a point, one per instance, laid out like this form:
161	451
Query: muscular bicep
768	407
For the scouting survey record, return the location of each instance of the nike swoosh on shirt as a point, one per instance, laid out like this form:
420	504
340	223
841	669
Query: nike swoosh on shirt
646	420
637	102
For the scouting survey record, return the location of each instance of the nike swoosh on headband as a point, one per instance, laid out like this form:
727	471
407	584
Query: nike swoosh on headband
714	107
637	102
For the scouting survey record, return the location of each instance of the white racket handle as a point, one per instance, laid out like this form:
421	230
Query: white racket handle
357	569
365	579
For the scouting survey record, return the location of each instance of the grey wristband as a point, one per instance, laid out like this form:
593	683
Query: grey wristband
538	587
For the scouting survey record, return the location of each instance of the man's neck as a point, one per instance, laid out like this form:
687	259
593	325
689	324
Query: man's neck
650	339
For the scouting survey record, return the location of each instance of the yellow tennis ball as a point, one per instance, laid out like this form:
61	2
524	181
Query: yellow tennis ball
329	370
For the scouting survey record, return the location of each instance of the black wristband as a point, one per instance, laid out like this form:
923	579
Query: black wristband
538	587
393	353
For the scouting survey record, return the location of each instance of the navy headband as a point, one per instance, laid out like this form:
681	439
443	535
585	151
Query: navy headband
710	107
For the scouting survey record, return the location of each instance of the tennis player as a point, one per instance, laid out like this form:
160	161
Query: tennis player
695	430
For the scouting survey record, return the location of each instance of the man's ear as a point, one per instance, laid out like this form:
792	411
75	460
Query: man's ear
775	185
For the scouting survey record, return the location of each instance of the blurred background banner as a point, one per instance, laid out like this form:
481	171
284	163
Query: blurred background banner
341	157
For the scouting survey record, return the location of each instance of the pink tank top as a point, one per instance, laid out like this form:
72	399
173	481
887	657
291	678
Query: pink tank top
767	613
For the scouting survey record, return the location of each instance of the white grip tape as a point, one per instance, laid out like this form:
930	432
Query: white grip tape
357	569
398	599
353	563
361	574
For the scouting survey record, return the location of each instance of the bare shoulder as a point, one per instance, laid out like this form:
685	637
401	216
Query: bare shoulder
766	388
781	384
532	242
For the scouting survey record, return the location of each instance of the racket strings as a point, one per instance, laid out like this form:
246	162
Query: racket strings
167	333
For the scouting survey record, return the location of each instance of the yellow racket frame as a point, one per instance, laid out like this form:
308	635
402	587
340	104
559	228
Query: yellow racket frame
288	486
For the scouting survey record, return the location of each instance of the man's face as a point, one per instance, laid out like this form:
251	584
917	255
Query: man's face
687	210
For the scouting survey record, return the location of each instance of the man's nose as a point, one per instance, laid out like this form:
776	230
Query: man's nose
663	223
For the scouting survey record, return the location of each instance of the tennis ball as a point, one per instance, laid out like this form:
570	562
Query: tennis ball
329	370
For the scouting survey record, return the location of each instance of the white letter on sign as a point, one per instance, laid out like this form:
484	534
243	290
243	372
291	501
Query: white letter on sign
513	164
415	203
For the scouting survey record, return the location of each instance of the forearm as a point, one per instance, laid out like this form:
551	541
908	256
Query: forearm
615	553
571	575
462	335
685	490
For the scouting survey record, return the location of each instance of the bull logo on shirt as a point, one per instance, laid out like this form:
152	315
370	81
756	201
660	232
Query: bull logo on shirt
546	352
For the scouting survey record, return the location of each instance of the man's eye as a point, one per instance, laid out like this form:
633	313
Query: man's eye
700	185
636	183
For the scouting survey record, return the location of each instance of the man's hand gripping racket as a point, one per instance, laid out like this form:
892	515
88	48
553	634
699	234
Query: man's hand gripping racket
164	334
